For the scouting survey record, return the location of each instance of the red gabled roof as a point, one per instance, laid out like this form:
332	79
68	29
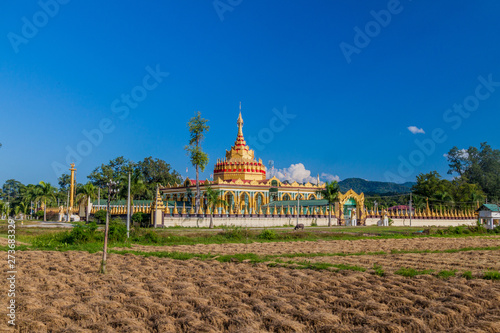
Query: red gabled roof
193	181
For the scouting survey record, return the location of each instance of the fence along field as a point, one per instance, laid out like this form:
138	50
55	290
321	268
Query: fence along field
321	286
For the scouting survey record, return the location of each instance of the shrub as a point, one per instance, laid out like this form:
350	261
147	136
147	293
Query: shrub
80	234
378	270
235	233
141	218
390	222
267	234
151	237
447	274
39	214
491	275
100	216
137	217
117	231
411	272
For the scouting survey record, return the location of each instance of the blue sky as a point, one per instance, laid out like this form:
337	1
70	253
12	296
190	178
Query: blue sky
350	113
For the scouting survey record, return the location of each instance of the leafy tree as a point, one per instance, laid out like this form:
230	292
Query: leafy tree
477	166
64	182
100	215
199	159
46	194
214	198
330	193
86	193
138	187
115	169
429	184
12	189
145	176
156	171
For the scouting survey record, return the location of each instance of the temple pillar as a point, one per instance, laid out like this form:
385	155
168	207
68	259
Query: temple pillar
72	187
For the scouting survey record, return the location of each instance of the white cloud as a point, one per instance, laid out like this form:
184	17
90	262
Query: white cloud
329	177
416	130
298	173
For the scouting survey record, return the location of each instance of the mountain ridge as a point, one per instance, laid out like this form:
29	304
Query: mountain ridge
359	185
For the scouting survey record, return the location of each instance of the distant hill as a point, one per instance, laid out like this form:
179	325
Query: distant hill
370	187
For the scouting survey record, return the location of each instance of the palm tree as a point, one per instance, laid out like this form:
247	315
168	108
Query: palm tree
138	187
24	207
330	193
6	211
443	197
213	200
16	211
86	193
31	192
46	193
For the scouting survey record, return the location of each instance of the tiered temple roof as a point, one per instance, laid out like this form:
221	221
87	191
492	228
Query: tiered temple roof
240	162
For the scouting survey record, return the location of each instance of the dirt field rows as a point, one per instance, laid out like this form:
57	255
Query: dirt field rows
475	261
62	292
336	246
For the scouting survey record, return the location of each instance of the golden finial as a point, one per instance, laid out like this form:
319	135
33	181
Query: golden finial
239	122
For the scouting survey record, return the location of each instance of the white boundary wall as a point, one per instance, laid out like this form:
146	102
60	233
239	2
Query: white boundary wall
256	222
424	222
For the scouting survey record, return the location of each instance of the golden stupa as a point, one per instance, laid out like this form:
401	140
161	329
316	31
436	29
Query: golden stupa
240	161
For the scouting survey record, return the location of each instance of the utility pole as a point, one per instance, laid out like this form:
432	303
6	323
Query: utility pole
298	205
128	207
110	184
67	206
98	198
410	206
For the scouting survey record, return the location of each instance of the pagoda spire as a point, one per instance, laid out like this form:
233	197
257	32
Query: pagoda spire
239	122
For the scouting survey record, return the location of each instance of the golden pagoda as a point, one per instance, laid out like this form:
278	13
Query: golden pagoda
243	184
240	162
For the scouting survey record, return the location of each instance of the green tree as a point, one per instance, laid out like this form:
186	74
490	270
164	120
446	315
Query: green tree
12	189
156	171
64	182
86	194
31	193
330	193
480	166
115	169
138	187
24	208
46	194
199	159
214	199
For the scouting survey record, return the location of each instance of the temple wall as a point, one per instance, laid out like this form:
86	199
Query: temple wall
424	222
256	222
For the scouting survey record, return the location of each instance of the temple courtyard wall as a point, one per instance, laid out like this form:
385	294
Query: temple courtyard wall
261	222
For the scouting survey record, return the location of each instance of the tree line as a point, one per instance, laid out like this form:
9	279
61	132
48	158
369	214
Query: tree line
476	172
16	197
